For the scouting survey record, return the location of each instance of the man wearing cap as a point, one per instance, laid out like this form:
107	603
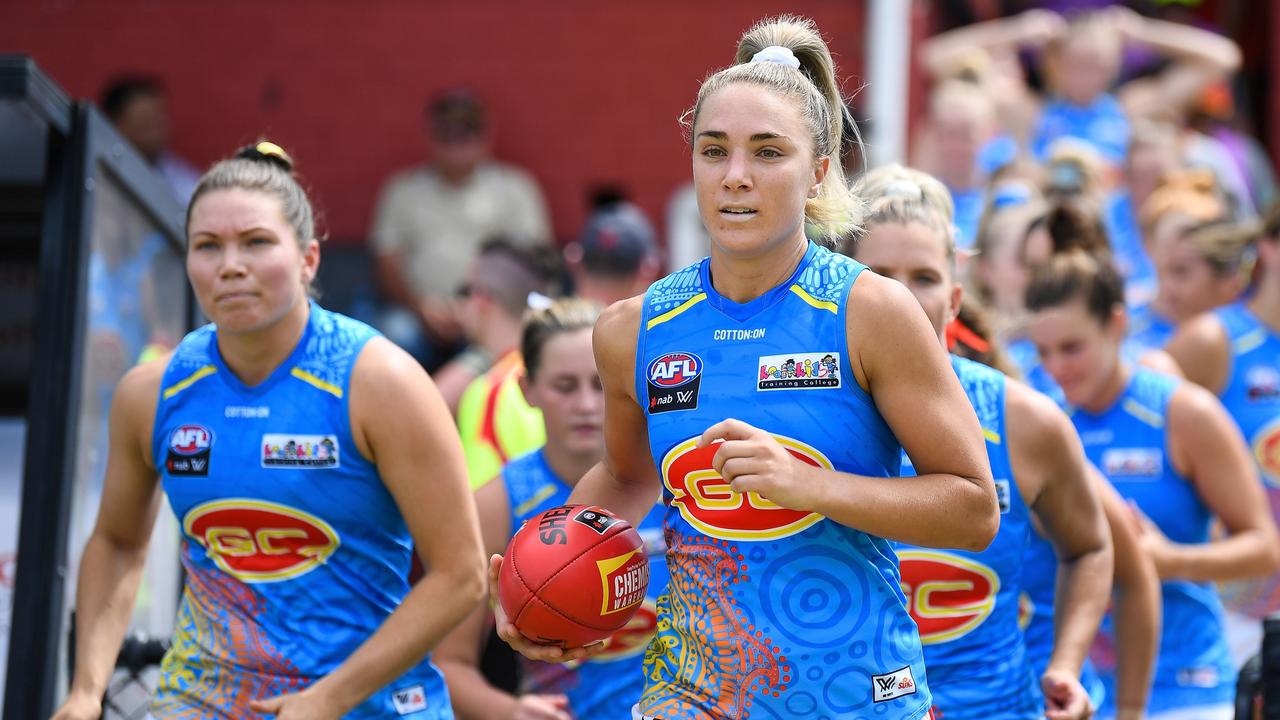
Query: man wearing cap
431	220
615	257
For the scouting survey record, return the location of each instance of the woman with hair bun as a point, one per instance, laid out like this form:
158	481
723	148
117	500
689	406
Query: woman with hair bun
801	380
304	456
1171	450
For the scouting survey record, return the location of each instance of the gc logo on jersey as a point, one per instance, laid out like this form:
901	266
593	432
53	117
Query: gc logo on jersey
189	448
257	541
707	502
1266	450
634	637
673	382
947	596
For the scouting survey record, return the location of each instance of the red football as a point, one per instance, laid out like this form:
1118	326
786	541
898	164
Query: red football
573	575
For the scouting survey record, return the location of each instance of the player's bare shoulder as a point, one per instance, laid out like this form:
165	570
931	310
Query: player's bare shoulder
614	340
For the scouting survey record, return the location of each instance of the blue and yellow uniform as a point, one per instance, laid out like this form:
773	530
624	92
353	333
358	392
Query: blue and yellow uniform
1148	329
1252	396
608	684
294	549
1039	589
1102	123
1128	443
770	612
966	603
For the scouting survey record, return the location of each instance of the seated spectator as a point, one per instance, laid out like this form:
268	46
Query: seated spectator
490	305
135	104
616	256
431	220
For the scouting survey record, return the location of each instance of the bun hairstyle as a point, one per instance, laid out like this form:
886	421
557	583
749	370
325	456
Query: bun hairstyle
541	324
901	196
811	83
1076	275
263	167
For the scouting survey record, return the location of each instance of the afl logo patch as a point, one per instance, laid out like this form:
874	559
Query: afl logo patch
189	448
673	382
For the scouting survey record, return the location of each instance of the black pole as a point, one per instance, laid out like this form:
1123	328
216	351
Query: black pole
1271	668
36	629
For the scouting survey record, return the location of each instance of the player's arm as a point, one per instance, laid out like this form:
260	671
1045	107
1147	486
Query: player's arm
458	655
111	566
1201	349
626	481
1137	605
1200	57
952	500
1207	447
400	422
894	352
1047	456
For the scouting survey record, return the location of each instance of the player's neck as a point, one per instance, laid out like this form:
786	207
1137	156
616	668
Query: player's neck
1265	303
1110	391
253	356
568	465
743	279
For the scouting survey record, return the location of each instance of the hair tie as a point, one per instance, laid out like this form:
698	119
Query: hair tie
905	188
267	151
777	54
957	331
537	301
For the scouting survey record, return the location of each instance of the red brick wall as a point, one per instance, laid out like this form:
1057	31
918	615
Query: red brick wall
580	91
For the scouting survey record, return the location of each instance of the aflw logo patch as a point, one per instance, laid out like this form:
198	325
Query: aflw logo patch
892	685
673	382
300	451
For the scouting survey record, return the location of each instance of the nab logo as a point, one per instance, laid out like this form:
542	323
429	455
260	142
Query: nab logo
707	502
256	541
190	440
947	596
675	369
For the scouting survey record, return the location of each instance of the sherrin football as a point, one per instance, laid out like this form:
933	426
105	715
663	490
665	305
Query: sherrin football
573	575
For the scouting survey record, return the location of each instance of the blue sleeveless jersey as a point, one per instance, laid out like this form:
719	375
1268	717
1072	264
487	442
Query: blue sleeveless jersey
770	612
1103	124
1252	396
1131	259
1039	588
966	603
608	684
1128	444
295	551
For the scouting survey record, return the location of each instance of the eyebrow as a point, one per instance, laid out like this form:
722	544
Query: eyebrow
249	231
758	137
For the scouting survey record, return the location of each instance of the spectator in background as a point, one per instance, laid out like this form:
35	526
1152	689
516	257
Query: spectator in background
616	256
687	238
959	124
135	104
430	222
490	305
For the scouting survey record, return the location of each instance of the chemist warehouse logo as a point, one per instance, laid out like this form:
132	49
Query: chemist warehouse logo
707	502
256	541
673	382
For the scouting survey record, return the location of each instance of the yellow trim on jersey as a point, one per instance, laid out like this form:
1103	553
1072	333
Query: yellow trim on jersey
190	380
310	379
543	493
676	310
991	436
1249	341
1143	413
820	304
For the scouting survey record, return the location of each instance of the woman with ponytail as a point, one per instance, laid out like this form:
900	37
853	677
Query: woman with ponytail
305	456
779	452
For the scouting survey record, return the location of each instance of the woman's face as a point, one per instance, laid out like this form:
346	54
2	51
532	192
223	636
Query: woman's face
244	259
1000	268
1186	283
567	390
1080	352
916	256
753	169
